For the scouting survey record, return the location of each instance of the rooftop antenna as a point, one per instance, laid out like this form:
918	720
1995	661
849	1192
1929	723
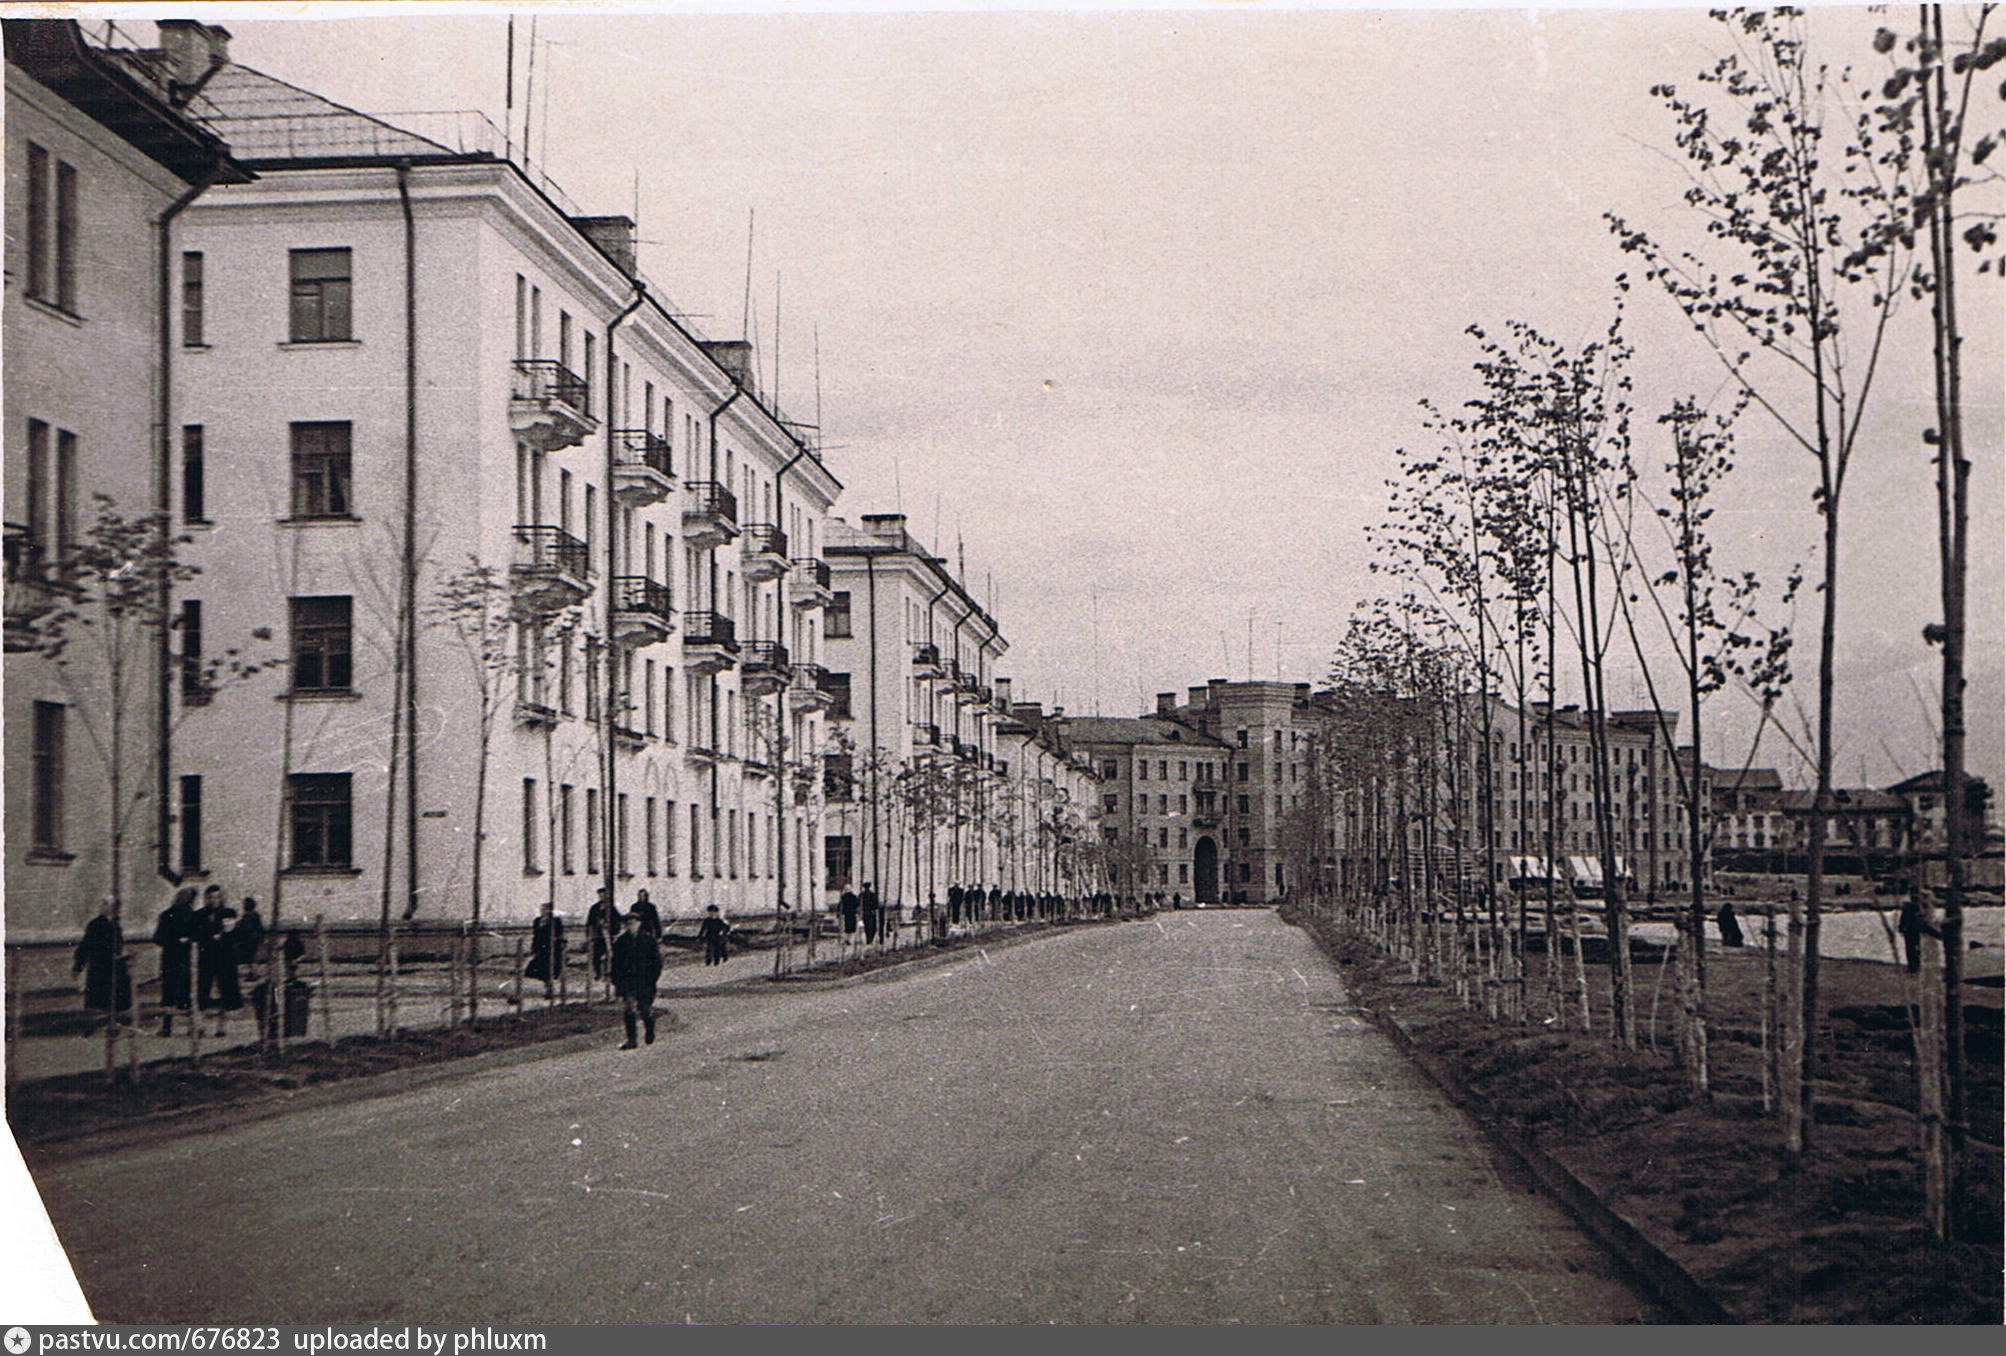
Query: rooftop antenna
776	339
508	98
745	314
543	128
1279	626
818	386
1250	644
1097	652
529	92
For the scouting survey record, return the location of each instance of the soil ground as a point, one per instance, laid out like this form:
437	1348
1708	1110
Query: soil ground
1839	1239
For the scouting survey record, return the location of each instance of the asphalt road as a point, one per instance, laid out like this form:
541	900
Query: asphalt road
1175	1120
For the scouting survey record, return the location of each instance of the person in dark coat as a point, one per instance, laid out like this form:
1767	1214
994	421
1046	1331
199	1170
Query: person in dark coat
848	906
955	895
867	904
995	901
1730	926
651	918
294	948
546	948
602	922
99	957
715	934
1912	927
216	957
172	934
249	935
636	966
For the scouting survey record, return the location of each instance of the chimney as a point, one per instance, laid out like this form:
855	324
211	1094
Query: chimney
1198	696
193	49
614	236
734	356
1031	713
890	526
1166	704
1003	693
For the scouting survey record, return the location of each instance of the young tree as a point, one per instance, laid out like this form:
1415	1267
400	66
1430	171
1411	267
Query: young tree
1790	189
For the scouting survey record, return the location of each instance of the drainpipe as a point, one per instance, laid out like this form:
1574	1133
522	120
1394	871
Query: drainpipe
608	767
871	593
410	599
163	504
736	392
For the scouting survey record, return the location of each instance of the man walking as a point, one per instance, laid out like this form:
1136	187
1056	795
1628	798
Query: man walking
713	932
602	921
643	908
636	966
172	934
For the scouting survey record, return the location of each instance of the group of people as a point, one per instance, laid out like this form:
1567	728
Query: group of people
861	910
625	949
201	951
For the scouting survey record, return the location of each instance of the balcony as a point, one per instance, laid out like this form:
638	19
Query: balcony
967	753
925	736
627	737
962	683
547	405
926	659
807	694
836	687
642	471
764	669
537	715
641	612
551	570
765	548
710	642
808	583
28	598
710	518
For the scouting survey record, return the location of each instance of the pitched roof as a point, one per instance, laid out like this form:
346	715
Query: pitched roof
265	118
1134	730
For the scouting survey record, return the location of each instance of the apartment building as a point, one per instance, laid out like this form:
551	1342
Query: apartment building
942	781
1162	785
99	151
531	551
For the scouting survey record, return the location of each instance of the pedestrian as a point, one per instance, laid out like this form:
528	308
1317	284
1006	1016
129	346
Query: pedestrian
1730	926
546	948
867	905
602	920
1912	926
714	933
644	909
172	933
636	966
99	957
249	935
954	897
216	957
848	905
995	901
295	948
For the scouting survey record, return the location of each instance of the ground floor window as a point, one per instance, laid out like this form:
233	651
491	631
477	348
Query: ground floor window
321	819
838	860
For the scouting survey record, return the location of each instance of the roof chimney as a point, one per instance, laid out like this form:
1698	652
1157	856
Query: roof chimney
194	49
615	238
1003	693
888	525
734	356
1166	703
1198	696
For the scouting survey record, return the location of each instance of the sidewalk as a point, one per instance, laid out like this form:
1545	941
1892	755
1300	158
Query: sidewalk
422	1002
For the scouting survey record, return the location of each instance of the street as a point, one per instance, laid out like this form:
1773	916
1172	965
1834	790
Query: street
1173	1120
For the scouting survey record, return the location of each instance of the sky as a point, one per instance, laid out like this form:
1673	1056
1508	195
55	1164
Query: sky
1131	312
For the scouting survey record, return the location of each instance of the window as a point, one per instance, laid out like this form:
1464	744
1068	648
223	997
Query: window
1183	770
591	830
1183	804
587	375
321	637
836	616
66	236
1163	837
1242	735
191	824
731	842
321	819
564	828
38	223
648	835
320	296
48	826
194	691
668	838
529	826
51	494
321	471
619	858
1244	839
696	843
1243	772
194	509
52	279
191	299
838	860
1109	804
1109	770
1162	770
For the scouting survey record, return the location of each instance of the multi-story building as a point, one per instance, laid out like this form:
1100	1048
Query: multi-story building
1161	787
101	156
1269	732
530	550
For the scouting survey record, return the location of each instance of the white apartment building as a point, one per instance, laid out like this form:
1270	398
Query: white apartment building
98	152
943	783
403	363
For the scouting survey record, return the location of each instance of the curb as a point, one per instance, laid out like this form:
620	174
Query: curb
166	1125
1668	1282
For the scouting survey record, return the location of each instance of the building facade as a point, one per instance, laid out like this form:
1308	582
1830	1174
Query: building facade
99	152
531	551
1161	787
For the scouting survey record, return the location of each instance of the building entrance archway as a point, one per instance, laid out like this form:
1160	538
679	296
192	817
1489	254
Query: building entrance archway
1205	871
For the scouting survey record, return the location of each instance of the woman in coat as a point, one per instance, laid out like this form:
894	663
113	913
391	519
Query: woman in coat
546	948
713	933
172	934
99	957
635	969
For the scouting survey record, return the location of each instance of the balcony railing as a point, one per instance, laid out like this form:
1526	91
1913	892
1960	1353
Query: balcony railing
550	404
765	539
638	593
811	573
764	666
926	655
551	560
710	628
926	736
710	518
639	447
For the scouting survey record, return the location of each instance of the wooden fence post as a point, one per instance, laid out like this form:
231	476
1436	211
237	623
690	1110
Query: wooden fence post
518	975
193	1006
326	997
392	993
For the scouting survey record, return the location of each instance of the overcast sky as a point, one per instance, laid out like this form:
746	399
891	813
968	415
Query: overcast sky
1135	308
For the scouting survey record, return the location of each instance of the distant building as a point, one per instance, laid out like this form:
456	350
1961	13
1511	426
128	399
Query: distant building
1161	787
